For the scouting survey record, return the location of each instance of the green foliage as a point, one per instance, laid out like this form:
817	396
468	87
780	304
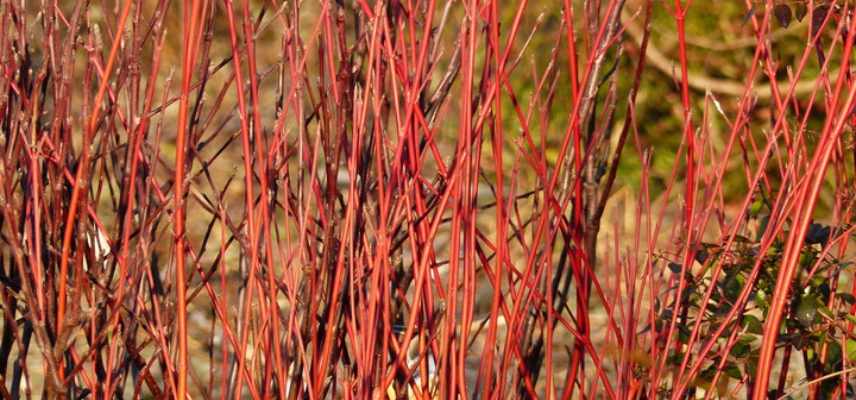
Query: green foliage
814	327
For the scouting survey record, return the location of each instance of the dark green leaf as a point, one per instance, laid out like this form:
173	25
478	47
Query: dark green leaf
817	234
675	267
733	371
753	325
701	255
806	311
740	350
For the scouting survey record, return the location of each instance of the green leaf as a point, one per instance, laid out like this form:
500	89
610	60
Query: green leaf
675	267
851	349
761	298
773	251
733	287
755	208
740	350
833	353
753	325
806	312
746	339
733	371
806	259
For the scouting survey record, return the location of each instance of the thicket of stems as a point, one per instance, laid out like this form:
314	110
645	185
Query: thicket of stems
410	198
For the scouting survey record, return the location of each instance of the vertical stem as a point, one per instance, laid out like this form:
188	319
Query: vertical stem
192	24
